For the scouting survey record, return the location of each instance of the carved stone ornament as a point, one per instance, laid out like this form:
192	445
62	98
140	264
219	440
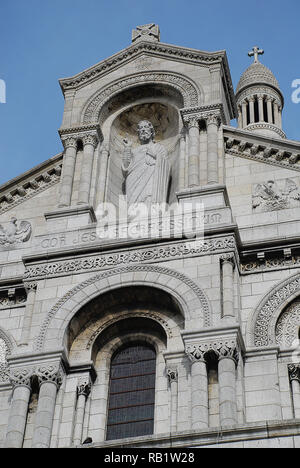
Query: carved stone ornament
4	371
287	327
21	377
294	372
172	374
49	373
272	196
15	233
84	386
222	349
146	32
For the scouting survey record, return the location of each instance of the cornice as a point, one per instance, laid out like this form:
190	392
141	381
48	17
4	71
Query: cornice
30	183
277	152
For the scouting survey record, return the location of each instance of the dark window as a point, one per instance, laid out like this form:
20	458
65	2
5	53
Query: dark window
131	392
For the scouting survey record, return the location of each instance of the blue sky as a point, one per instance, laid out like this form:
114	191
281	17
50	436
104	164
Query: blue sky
44	40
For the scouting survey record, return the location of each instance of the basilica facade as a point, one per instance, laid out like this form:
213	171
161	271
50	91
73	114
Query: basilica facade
155	339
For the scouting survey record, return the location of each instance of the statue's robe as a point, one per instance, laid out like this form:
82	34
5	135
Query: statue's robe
147	177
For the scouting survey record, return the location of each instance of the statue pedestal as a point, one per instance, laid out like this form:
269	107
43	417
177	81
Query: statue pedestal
70	218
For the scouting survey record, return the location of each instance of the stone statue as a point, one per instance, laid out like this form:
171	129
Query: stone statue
15	233
146	168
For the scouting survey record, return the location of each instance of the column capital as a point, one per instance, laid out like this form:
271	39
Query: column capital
213	119
30	286
196	352
172	374
52	373
69	134
21	377
227	350
228	258
69	141
84	386
90	139
294	372
191	121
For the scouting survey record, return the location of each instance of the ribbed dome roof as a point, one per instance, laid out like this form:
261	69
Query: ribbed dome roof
257	73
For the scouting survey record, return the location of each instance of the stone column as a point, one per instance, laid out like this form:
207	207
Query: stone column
194	148
70	144
227	271
182	149
280	117
240	118
269	107
244	113
276	113
90	142
83	391
50	378
294	375
173	380
228	358
31	293
261	108
21	383
251	109
199	386
212	122
104	156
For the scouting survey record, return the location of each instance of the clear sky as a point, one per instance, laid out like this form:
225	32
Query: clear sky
44	40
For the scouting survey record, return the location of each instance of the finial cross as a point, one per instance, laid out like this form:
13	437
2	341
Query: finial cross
256	51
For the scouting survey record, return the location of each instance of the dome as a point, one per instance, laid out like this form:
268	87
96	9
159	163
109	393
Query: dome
256	74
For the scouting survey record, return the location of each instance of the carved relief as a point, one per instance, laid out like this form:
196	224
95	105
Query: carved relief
288	325
272	196
4	372
15	233
12	297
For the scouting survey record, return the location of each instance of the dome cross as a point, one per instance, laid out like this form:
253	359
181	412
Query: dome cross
256	51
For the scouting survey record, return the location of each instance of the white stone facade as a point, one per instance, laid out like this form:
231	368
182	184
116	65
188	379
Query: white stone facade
222	312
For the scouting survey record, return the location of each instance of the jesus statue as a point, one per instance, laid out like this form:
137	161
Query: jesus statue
146	168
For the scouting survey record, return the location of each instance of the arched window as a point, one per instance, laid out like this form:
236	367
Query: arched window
131	392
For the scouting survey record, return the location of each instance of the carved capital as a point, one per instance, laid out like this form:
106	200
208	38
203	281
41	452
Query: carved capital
21	377
30	286
294	372
69	142
49	373
196	352
227	350
191	121
212	119
172	374
90	139
228	258
84	386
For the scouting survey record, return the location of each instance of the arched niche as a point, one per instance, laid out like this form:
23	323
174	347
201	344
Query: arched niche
119	117
121	312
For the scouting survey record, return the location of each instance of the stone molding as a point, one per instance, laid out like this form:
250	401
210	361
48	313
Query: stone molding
213	113
31	187
161	272
109	260
262	329
122	316
192	96
89	134
265	126
286	155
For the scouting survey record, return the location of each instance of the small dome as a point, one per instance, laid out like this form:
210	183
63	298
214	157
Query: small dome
256	74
